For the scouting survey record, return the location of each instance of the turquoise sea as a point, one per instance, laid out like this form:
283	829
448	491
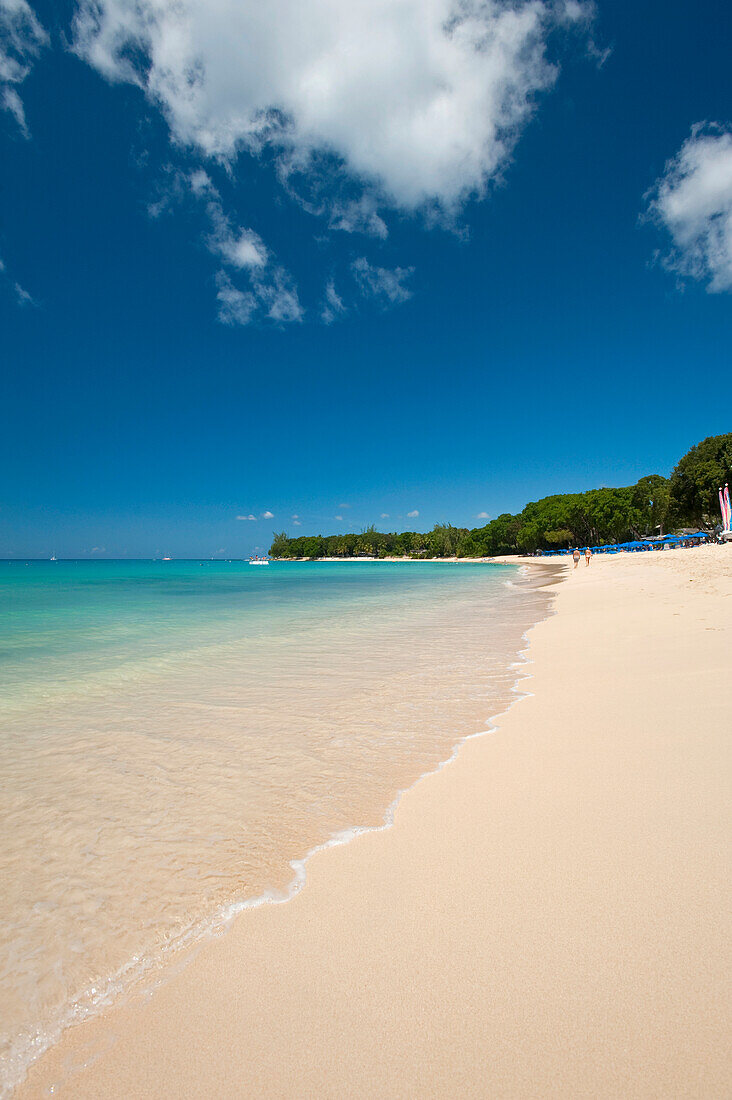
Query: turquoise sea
175	737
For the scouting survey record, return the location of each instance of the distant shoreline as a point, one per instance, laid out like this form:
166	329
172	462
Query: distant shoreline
416	561
453	560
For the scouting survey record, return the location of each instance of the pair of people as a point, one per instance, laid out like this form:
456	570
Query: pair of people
577	555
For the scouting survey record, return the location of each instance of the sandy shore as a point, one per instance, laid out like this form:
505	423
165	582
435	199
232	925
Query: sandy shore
546	918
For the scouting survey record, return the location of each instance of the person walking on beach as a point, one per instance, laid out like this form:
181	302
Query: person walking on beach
588	555
576	556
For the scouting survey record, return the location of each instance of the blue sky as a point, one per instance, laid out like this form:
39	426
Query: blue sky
358	261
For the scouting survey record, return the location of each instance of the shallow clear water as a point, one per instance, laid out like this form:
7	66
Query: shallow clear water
173	735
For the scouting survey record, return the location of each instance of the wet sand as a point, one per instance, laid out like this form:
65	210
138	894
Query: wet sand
547	917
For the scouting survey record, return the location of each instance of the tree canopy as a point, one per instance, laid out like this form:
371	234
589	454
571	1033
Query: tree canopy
696	479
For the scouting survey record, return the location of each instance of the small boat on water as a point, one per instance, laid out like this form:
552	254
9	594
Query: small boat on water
258	561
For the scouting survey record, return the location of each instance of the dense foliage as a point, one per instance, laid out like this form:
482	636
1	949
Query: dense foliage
443	541
595	518
696	479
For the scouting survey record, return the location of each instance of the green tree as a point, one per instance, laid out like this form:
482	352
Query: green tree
695	481
651	498
561	537
444	539
280	547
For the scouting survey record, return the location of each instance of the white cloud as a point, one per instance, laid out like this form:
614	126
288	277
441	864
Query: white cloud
384	515
415	103
339	517
21	39
296	523
267	515
22	296
382	282
693	202
333	306
241	248
344	505
278	296
358	216
482	515
201	184
12	103
249	517
412	515
294	516
269	291
276	299
235	306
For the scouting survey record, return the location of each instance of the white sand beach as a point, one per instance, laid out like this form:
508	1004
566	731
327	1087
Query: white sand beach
548	916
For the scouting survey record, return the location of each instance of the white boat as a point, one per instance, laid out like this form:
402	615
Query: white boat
259	561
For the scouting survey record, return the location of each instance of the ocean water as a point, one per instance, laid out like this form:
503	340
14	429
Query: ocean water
175	737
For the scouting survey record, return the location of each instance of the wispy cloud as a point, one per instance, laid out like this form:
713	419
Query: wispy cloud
383	283
333	305
274	297
482	515
384	515
235	306
267	515
339	518
296	523
249	517
22	297
412	515
692	201
278	296
21	39
13	104
269	291
240	248
358	216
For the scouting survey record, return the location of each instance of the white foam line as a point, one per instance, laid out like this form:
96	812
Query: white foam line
220	923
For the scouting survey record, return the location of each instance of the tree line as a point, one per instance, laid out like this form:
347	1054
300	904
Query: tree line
654	505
